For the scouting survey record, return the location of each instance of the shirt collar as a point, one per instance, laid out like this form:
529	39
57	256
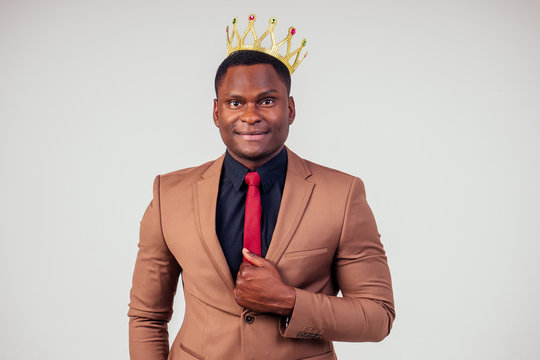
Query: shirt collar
270	172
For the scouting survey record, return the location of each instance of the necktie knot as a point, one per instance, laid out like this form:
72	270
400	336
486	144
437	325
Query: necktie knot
253	179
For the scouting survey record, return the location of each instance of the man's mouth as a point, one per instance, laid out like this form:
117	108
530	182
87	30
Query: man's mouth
252	135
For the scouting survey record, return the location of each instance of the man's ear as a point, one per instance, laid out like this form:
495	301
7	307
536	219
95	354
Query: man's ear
292	110
215	113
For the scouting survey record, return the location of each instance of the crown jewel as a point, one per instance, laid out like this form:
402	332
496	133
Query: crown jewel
273	49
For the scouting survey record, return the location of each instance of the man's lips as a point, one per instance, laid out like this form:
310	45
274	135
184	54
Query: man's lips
251	135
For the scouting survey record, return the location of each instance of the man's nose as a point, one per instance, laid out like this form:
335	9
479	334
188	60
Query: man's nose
251	114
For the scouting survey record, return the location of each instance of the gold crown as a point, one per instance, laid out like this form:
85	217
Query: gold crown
273	50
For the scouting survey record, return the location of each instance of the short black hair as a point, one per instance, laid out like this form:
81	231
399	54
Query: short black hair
252	57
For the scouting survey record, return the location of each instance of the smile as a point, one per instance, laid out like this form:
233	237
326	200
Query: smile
252	135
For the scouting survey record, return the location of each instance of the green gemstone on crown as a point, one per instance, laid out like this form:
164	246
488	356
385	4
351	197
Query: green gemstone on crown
234	21
273	20
304	43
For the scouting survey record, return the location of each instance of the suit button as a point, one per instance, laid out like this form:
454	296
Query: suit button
249	319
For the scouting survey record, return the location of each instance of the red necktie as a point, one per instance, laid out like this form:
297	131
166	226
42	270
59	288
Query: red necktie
252	219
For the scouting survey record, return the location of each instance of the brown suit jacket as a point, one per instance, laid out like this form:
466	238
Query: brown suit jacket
325	240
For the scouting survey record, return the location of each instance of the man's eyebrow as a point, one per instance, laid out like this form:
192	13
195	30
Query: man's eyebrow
261	94
267	92
233	96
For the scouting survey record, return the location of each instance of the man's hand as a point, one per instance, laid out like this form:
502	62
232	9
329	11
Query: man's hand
259	287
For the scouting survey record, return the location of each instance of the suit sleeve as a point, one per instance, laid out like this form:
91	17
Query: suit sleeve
155	279
366	310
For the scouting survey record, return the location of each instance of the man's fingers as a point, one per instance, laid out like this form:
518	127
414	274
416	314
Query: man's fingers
253	258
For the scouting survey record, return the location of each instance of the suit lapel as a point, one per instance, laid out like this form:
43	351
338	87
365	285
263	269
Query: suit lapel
205	193
296	195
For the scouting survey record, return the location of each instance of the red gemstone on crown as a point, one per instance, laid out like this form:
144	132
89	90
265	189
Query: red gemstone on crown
251	17
293	31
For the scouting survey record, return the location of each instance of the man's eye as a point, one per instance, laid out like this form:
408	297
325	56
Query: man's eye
234	103
267	101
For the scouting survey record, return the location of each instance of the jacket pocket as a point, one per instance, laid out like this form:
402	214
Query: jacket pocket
311	252
191	353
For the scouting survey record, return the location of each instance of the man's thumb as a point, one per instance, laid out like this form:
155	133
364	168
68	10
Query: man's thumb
252	257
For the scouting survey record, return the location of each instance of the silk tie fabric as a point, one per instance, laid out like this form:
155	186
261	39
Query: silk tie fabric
252	217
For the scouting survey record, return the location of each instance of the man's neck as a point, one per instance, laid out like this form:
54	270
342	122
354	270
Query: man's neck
254	164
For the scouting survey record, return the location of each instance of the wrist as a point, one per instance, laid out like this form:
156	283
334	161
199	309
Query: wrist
288	301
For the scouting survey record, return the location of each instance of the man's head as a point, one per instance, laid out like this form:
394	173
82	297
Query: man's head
251	57
253	109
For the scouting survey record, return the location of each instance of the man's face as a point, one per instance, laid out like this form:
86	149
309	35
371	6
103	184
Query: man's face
253	113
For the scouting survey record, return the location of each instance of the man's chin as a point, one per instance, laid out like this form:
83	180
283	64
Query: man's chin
251	155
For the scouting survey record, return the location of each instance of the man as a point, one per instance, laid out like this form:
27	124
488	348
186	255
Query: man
315	235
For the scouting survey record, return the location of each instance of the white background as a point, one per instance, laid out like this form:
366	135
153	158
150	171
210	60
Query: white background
434	104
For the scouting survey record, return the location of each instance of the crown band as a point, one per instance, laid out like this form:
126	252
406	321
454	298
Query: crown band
272	50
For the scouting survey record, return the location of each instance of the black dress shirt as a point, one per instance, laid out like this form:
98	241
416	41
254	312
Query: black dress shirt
231	204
